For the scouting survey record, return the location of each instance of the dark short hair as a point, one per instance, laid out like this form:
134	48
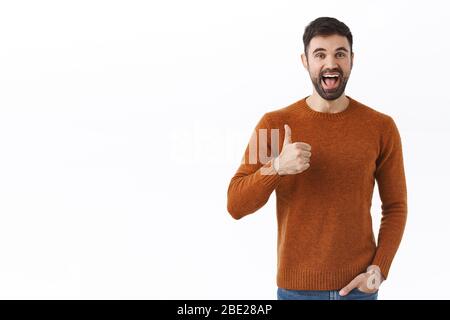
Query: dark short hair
326	26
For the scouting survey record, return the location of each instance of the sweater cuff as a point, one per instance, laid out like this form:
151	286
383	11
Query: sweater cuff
269	176
384	262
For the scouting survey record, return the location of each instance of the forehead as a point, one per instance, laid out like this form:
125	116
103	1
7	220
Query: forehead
329	43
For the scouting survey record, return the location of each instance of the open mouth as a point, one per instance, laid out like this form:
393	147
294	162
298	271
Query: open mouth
330	81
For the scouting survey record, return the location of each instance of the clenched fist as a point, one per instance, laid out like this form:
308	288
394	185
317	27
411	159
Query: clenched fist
294	157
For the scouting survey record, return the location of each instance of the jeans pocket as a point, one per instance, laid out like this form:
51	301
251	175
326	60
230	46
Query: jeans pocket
362	292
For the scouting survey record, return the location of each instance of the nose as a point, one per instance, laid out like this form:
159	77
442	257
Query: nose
330	62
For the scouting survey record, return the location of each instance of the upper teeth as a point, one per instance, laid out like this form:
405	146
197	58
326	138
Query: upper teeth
331	75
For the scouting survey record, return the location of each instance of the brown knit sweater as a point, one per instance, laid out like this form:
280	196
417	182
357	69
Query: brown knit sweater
325	235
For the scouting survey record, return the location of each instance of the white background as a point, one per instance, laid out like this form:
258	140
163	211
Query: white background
122	122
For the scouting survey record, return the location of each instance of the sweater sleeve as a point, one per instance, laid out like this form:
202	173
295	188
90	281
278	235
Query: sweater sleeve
390	176
255	179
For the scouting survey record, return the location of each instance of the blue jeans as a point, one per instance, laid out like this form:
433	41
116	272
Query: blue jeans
355	294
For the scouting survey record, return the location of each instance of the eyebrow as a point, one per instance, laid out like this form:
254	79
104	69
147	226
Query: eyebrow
338	49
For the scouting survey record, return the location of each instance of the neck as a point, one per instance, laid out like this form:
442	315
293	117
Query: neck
317	103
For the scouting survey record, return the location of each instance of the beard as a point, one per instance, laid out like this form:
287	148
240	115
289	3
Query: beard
326	93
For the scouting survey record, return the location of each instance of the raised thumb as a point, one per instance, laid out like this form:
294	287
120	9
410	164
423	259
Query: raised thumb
287	135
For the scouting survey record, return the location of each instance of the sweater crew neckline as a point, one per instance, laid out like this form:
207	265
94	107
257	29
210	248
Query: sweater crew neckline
303	105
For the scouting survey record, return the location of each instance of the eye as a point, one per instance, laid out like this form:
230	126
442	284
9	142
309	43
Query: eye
320	55
340	55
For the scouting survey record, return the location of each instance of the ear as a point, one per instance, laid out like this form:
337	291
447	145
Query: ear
304	61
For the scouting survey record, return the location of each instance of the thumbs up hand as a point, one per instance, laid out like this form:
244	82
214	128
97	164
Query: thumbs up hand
294	157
